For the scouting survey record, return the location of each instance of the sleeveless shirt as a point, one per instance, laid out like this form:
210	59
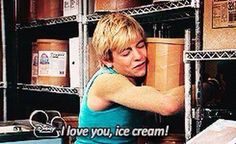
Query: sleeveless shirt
111	119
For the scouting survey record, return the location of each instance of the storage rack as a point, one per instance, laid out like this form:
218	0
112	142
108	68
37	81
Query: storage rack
148	9
184	9
227	54
142	11
44	88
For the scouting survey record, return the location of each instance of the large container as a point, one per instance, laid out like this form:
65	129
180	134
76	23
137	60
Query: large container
34	64
112	5
165	66
25	10
70	7
48	8
219	24
53	62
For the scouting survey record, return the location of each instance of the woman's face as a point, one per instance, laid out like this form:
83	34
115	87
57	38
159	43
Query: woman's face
131	62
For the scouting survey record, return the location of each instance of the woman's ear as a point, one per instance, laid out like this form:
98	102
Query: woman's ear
107	62
107	59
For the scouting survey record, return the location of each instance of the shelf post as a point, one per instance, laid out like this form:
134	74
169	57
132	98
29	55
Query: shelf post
198	69
81	66
187	88
85	39
9	59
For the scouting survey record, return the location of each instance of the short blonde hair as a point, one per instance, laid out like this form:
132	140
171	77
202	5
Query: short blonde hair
114	32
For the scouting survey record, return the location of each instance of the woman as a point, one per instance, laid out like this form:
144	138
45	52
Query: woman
114	97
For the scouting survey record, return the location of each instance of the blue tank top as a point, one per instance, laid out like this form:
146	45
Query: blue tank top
115	117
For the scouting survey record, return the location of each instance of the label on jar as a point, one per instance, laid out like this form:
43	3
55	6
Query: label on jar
52	63
35	57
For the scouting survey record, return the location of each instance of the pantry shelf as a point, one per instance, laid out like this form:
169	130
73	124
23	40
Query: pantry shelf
47	22
227	54
168	17
50	89
148	9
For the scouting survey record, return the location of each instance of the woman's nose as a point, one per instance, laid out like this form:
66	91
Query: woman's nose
138	54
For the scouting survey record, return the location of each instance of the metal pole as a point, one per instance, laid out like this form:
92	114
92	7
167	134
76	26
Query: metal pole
85	38
81	66
8	58
198	47
188	88
4	71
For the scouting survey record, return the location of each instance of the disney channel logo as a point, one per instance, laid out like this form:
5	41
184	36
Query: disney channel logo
52	125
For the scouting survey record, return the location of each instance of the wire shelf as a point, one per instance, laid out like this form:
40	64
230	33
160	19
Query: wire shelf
136	11
229	54
50	89
147	9
47	22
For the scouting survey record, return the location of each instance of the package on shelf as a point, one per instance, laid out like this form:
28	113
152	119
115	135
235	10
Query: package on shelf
156	1
34	63
48	8
50	62
75	74
70	7
91	6
219	25
75	63
66	7
25	10
112	5
165	68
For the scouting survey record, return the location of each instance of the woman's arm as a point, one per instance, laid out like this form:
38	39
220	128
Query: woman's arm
117	88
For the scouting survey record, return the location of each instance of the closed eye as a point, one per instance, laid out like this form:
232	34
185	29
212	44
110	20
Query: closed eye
141	44
126	51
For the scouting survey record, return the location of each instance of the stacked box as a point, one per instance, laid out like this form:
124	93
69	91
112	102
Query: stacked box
113	5
75	63
47	8
219	24
50	62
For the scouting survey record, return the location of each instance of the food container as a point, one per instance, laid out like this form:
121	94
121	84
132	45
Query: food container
165	69
52	62
48	8
219	25
112	5
34	64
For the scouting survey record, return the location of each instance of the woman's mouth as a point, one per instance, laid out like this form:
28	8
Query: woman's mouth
140	66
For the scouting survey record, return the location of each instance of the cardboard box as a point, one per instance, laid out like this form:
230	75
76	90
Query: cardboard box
70	7
48	9
219	24
66	7
220	132
113	5
75	61
52	62
165	68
